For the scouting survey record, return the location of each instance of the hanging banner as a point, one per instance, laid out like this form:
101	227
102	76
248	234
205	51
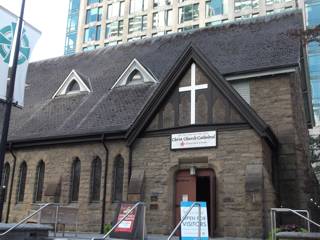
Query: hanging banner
7	30
190	226
29	38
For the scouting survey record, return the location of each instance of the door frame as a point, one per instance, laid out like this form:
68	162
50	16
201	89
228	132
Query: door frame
208	172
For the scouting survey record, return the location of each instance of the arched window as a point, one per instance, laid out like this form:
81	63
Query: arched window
38	185
75	180
135	78
21	182
118	172
95	183
5	179
73	87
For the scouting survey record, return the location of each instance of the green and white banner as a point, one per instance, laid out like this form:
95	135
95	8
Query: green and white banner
7	29
29	37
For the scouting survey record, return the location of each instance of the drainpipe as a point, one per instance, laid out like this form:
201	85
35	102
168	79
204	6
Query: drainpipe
130	164
11	181
104	185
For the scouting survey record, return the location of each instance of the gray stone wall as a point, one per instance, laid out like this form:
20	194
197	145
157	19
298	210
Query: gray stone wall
58	160
238	212
278	100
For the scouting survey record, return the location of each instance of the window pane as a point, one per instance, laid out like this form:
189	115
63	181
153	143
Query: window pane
38	188
155	20
313	14
118	173
93	1
121	9
75	180
145	5
168	18
314	65
92	33
21	182
109	11
188	13
98	31
95	180
120	32
92	15
137	24
74	5
144	23
159	3
137	5
247	4
113	31
214	7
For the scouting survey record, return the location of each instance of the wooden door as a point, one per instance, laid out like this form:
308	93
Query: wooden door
185	190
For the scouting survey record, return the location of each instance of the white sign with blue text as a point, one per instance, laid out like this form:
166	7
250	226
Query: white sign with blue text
190	226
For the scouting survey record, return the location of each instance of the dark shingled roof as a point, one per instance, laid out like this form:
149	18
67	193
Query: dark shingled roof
245	46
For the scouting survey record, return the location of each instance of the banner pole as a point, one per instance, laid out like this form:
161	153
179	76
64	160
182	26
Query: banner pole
9	102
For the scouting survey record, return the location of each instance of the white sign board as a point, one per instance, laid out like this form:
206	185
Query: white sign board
190	226
194	140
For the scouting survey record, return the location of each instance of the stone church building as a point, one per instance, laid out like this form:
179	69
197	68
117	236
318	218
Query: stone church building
113	125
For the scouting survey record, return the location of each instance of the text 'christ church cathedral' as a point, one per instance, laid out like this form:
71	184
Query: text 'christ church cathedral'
130	122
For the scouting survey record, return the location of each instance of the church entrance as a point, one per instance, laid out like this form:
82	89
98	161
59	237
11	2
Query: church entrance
198	187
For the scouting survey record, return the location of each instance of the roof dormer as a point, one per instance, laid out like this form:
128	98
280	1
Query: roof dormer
73	84
135	74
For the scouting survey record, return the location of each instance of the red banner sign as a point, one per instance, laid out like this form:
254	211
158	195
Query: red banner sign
127	224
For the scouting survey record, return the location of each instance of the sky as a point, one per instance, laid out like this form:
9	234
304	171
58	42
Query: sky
48	16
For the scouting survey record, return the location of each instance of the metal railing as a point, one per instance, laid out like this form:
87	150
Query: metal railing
124	217
185	216
30	216
273	219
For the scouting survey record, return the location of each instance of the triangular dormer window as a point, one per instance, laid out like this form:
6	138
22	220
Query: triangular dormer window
73	84
135	74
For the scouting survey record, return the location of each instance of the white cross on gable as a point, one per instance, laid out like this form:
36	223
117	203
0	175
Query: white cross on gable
192	90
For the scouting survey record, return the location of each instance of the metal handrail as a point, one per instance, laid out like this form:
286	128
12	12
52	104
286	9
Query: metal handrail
122	219
185	216
26	218
296	212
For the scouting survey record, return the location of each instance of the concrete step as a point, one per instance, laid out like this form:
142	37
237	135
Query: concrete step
298	235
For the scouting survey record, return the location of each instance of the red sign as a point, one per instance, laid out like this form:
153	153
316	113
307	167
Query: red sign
126	225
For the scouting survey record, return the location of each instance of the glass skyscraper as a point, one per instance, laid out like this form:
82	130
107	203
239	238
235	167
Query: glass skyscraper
313	20
72	27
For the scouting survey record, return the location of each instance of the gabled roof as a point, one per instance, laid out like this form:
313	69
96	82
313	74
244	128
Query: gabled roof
246	46
193	55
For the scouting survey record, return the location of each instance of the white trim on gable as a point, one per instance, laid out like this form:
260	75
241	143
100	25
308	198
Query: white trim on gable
73	76
134	65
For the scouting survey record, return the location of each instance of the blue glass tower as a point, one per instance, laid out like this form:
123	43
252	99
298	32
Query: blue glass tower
72	27
313	20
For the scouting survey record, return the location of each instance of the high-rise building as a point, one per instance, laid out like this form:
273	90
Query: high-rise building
98	23
313	20
72	27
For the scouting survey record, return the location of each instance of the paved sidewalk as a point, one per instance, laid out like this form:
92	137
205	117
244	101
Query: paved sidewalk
88	236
